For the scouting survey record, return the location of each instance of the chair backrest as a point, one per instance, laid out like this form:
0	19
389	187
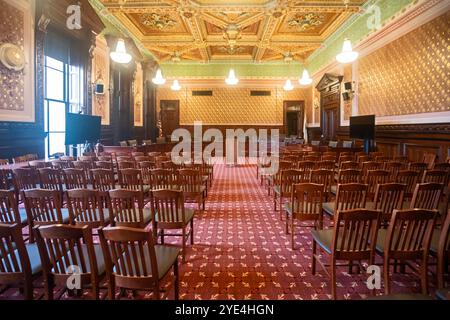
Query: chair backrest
444	249
162	179
410	178
103	179
86	166
107	165
190	180
287	178
409	234
306	200
50	179
105	158
38	164
393	168
435	176
43	206
60	164
374	178
306	165
371	165
13	267
75	179
131	179
326	164
349	176
324	177
61	248
312	158
427	196
127	158
122	249
419	167
329	158
141	158
137	154
346	165
126	165
25	178
389	197
355	234
91	159
9	210
429	159
169	205
363	158
376	154
350	196
126	208
86	207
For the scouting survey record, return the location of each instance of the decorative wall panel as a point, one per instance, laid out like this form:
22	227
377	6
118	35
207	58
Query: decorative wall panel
231	106
409	75
138	88
17	87
100	74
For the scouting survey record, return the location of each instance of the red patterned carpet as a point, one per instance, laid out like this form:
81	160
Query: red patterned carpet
241	251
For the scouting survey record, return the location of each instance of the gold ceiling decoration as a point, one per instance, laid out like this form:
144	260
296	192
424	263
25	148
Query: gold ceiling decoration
269	30
306	21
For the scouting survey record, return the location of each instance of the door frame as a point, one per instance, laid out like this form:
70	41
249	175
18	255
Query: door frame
161	102
290	105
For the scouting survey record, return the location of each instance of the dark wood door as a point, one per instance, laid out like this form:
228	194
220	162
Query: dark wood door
170	116
294	111
330	123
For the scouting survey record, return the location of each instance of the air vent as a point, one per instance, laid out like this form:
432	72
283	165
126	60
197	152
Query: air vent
203	93
260	93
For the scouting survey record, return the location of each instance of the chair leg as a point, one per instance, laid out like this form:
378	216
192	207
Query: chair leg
387	287
292	232
28	289
184	245
176	280
49	286
440	272
192	231
95	291
275	201
333	278
313	262
424	276
157	291
111	289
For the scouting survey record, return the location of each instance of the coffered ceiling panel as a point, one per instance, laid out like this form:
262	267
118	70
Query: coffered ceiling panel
252	30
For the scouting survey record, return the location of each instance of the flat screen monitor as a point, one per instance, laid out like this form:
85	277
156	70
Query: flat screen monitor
82	128
362	127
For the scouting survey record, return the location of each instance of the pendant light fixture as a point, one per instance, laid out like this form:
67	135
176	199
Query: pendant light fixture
159	79
347	55
121	55
305	79
175	86
232	80
288	85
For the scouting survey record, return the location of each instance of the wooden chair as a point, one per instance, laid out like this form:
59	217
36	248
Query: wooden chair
373	178
131	179
440	247
9	209
283	183
192	185
103	179
312	158
163	179
137	154
104	165
324	177
305	205
87	207
43	208
389	197
142	158
363	158
410	178
442	166
420	167
429	159
126	165
393	168
133	261
345	158
329	158
349	196
86	166
38	164
24	179
75	179
19	262
427	196
60	164
345	176
306	165
353	238
65	250
349	165
50	179
370	165
407	238
435	176
146	167
126	209
328	165
171	214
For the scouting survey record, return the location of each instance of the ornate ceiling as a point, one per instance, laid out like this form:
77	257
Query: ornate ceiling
247	30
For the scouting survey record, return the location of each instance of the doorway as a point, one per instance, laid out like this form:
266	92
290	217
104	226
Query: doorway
170	116
293	118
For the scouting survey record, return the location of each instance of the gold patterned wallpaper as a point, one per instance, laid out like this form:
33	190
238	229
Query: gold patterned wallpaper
11	82
409	75
138	88
100	74
231	106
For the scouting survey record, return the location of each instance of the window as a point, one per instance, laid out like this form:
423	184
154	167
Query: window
62	94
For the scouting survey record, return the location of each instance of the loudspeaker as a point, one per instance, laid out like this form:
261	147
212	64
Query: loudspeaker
348	86
346	96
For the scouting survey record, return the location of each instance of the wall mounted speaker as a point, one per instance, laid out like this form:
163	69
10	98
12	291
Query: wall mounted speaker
348	86
346	96
99	88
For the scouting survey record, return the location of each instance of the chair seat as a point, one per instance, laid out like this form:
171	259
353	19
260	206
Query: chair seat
435	240
188	212
147	214
328	207
166	256
324	238
101	267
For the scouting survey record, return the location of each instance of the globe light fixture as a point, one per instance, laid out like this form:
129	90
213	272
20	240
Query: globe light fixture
347	55
175	86
232	80
159	79
288	85
305	79
121	55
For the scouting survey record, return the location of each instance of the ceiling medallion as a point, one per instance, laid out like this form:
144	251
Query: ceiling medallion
157	21
306	21
231	50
